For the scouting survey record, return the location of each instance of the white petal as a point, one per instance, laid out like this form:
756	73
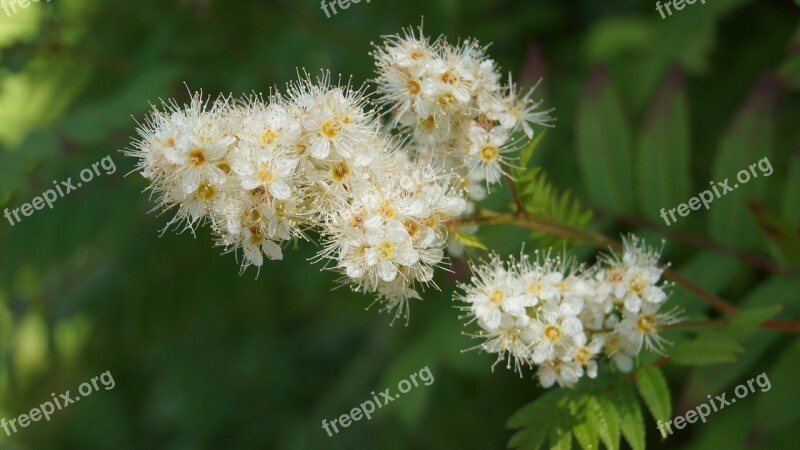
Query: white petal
280	190
320	148
272	250
387	271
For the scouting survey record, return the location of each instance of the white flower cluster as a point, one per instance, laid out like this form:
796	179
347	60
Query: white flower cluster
452	104
562	318
264	172
317	159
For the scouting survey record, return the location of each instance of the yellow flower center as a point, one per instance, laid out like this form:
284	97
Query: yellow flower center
265	175
638	284
267	137
497	296
170	142
197	157
615	275
340	171
552	333
256	237
330	129
449	77
412	228
206	191
583	355
413	87
446	99
428	123
489	152
387	210
386	250
646	324
225	167
535	288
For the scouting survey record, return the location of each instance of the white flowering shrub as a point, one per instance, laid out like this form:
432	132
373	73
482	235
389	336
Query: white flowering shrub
263	172
561	317
388	183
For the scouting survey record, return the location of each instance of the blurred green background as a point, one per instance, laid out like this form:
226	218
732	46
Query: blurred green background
205	358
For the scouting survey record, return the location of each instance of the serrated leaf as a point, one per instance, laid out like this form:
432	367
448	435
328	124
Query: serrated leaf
527	438
706	349
663	149
586	436
604	416
604	148
540	197
470	240
537	410
583	428
750	319
560	435
654	391
748	140
775	291
630	415
527	153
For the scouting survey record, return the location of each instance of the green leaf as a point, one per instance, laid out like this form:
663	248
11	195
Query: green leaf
749	139
712	271
540	197
604	416
560	435
653	389
584	430
706	349
789	209
786	241
470	240
604	148
527	438
527	153
630	415
779	406
674	45
615	36
539	420
777	290
662	160
750	319
586	435
537	411
789	69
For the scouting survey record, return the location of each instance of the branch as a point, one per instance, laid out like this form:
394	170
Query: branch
515	195
752	259
554	227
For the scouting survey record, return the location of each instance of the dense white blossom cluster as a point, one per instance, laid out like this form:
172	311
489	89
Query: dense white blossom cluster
562	318
451	103
317	159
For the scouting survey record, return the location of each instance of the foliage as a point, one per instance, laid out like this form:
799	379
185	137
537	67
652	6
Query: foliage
649	112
